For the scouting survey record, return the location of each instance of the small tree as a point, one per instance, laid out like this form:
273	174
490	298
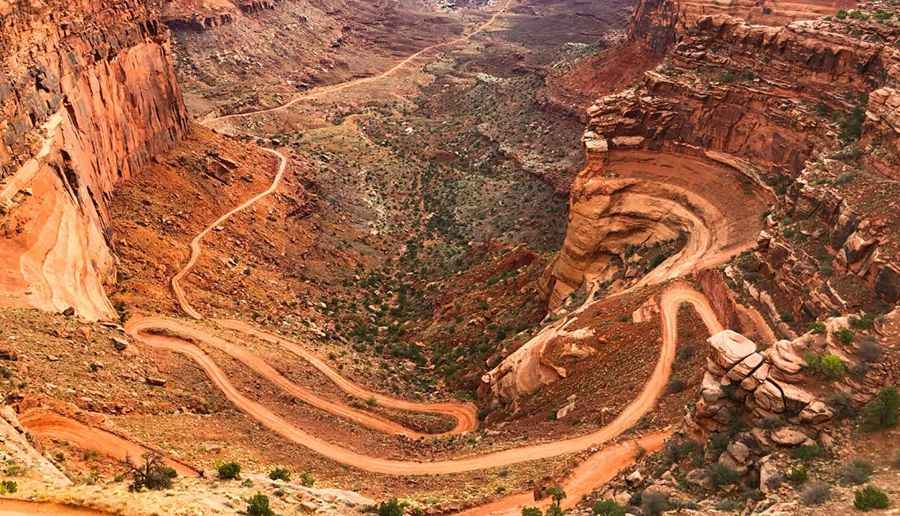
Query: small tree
152	474
881	412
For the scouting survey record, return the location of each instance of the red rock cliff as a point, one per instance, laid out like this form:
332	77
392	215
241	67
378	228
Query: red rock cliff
87	97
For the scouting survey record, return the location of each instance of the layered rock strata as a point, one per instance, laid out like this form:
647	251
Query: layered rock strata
88	97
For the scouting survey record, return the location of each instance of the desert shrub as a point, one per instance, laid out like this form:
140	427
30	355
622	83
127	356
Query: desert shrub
815	493
862	322
258	505
8	487
531	511
845	335
817	328
152	474
827	366
841	405
392	507
807	452
729	505
307	480
675	386
881	412
869	351
684	353
280	474
654	503
607	508
771	422
841	15
675	451
895	462
857	472
797	475
229	471
721	475
870	497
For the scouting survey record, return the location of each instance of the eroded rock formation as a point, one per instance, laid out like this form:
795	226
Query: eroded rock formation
87	96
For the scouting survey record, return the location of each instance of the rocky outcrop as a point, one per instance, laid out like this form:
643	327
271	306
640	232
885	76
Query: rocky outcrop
88	97
744	382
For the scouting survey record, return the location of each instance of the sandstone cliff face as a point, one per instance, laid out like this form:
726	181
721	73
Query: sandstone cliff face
799	115
87	96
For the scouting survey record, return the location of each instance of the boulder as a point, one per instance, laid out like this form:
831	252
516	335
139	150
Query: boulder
788	436
710	389
816	412
730	347
769	398
745	367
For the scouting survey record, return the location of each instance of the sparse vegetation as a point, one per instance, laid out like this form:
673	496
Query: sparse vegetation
307	480
229	471
258	505
797	475
827	366
857	472
280	474
654	503
807	452
815	493
152	474
881	413
721	475
870	497
8	487
607	508
392	507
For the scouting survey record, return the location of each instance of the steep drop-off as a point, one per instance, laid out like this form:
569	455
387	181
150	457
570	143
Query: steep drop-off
87	96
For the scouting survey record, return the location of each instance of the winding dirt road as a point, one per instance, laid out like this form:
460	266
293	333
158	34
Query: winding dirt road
196	247
176	336
325	90
50	425
172	335
670	301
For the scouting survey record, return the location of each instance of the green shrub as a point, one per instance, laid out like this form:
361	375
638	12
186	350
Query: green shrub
797	475
608	508
863	322
807	452
815	493
721	475
845	335
827	366
258	505
531	511
870	497
8	487
841	15
307	480
392	507
280	474
817	328
857	472
229	471
881	412
152	474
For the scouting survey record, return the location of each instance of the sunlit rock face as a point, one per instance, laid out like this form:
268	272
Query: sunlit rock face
87	96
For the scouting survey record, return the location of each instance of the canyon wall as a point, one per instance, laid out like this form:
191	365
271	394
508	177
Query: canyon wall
88	97
766	141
